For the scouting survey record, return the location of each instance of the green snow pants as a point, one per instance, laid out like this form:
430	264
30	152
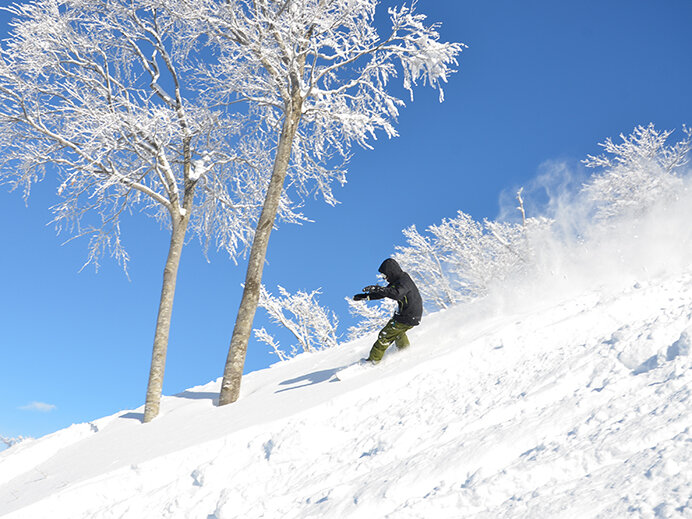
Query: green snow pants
392	332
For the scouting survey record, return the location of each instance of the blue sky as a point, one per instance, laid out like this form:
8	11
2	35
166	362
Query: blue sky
541	81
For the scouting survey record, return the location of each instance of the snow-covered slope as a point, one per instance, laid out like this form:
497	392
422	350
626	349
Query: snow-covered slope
577	406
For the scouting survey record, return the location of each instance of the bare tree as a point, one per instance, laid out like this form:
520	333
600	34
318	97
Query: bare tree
316	73
101	94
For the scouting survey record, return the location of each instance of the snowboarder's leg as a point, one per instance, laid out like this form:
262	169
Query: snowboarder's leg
392	332
402	341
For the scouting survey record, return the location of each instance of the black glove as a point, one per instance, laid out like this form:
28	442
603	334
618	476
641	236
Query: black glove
372	289
360	297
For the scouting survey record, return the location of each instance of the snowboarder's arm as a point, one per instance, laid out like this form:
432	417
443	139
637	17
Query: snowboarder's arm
392	291
371	292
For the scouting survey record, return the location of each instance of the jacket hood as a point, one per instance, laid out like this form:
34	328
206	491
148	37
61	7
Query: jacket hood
391	269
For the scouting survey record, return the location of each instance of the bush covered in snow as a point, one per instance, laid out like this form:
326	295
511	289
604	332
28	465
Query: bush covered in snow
638	173
460	259
313	326
371	318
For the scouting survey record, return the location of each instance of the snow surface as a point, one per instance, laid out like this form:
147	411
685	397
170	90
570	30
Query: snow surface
573	407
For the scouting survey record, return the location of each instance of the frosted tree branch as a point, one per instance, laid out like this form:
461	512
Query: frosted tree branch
636	173
314	327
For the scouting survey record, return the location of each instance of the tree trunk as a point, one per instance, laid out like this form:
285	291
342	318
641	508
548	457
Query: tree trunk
233	372
163	322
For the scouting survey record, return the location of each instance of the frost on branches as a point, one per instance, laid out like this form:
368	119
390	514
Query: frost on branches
460	259
637	173
312	326
103	95
107	96
371	317
326	64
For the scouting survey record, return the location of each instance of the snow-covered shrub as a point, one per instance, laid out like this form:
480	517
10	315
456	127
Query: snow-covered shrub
313	326
372	317
460	259
637	173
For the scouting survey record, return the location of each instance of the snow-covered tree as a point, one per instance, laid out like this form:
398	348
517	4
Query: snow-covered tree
637	173
106	96
371	317
315	76
314	327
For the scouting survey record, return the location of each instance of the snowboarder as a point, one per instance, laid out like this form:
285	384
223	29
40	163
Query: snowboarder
403	290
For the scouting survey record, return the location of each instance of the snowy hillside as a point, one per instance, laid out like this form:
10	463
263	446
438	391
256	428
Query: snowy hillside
572	406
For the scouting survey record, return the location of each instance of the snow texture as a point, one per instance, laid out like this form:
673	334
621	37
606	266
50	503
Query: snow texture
569	406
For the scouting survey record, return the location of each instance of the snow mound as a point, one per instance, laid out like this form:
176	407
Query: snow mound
561	408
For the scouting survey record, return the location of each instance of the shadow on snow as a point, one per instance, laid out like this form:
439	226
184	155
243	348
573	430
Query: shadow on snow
309	379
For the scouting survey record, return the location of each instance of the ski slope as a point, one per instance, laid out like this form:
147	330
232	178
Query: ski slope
574	405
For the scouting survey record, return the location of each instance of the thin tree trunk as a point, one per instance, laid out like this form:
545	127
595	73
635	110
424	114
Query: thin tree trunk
233	372
163	322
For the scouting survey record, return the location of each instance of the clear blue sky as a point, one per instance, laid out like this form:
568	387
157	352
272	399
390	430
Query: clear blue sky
542	80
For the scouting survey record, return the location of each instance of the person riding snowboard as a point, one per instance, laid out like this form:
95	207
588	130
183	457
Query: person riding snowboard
403	290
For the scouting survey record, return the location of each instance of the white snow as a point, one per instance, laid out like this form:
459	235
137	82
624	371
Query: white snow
576	405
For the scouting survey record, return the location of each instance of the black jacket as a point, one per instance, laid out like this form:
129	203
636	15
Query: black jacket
403	290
